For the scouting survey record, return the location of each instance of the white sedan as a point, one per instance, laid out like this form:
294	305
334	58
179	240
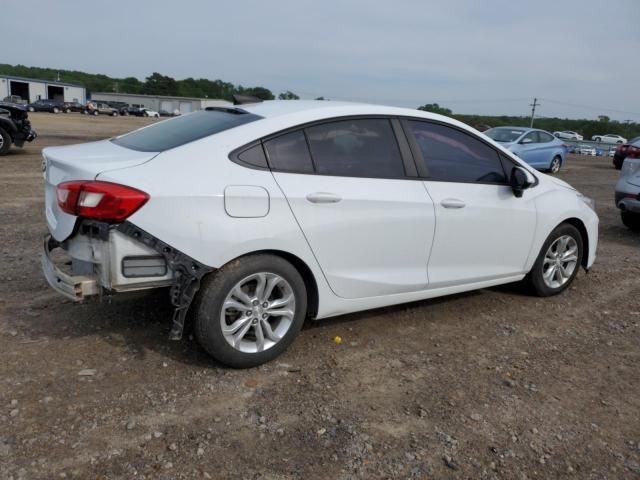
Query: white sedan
150	113
568	135
609	138
261	216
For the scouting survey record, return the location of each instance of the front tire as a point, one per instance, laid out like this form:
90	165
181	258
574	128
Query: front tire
55	110
5	141
631	220
250	310
558	261
555	165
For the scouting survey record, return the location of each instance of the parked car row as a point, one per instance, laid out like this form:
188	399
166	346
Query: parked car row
94	108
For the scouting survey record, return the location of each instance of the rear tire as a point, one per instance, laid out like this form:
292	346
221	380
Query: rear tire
55	110
96	113
558	261
5	141
631	220
232	297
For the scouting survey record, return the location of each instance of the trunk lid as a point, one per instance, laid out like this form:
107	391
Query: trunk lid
80	162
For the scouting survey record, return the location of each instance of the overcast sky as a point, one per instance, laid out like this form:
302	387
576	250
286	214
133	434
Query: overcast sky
581	58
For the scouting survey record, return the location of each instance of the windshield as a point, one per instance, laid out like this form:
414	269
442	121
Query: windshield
504	135
182	130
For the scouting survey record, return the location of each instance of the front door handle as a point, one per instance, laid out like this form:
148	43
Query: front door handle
452	203
323	197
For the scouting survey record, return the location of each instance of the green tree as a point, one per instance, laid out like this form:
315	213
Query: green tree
288	95
259	92
435	108
158	84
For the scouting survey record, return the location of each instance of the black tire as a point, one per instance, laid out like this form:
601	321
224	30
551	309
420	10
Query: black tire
212	295
598	140
631	220
6	141
96	113
68	110
555	165
535	276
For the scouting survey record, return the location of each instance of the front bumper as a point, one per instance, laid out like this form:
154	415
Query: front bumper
75	287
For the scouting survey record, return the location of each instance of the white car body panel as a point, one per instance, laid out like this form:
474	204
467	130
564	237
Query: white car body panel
192	209
366	245
609	138
471	244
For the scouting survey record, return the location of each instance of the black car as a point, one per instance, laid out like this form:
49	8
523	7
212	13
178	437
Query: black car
623	150
134	111
15	127
42	105
68	107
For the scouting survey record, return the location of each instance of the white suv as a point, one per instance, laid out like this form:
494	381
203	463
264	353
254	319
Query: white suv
271	213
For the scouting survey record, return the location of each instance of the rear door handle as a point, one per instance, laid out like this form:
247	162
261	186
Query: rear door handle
323	197
452	203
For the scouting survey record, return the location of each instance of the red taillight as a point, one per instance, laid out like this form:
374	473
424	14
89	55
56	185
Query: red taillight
105	201
633	152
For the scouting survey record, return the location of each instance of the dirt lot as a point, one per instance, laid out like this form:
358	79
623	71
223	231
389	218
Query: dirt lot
490	384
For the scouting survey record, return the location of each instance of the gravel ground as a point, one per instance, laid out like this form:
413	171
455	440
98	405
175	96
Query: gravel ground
489	384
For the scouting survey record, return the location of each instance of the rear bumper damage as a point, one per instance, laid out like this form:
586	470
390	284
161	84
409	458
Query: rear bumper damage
74	287
110	258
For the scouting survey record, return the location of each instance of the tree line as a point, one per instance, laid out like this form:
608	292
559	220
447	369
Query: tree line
585	127
158	84
155	84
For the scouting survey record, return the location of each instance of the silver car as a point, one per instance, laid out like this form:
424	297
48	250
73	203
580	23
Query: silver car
628	193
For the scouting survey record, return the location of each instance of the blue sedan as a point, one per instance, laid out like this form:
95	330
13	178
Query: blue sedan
538	148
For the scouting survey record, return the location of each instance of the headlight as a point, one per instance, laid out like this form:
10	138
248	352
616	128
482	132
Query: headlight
589	202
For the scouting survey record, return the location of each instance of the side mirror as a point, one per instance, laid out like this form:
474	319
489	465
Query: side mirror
520	180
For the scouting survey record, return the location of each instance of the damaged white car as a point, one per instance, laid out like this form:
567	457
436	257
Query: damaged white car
260	216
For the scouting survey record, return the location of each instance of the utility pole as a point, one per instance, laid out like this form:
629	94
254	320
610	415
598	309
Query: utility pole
533	110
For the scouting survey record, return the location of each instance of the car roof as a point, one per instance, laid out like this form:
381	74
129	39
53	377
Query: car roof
524	129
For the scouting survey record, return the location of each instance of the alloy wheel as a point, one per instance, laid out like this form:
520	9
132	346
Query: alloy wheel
555	165
560	261
257	312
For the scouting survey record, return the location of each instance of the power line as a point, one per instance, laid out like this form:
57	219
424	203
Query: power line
589	107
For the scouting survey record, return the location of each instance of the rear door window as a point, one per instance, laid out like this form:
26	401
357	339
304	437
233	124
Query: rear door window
184	129
356	148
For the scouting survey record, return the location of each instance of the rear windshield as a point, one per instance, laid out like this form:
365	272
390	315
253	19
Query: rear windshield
504	135
182	130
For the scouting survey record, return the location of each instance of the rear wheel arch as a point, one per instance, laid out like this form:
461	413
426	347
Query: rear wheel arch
302	268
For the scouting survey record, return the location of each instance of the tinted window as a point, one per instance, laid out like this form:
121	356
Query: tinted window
544	137
356	148
181	130
454	156
289	153
253	156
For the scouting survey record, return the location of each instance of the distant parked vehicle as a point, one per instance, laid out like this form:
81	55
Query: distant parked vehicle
15	127
584	149
628	192
612	152
133	111
630	149
150	113
568	135
43	105
68	107
16	99
609	138
538	148
97	108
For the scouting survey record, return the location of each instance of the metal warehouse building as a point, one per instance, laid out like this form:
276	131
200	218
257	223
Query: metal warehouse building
159	102
32	89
